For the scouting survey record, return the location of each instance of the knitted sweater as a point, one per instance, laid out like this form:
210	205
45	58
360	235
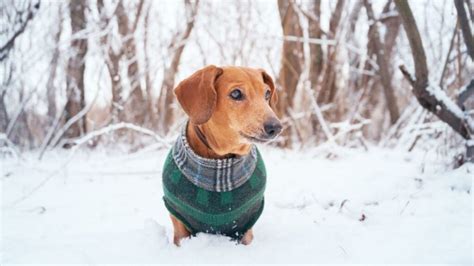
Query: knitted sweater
230	213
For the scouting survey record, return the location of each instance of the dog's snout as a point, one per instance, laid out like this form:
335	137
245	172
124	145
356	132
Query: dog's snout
272	128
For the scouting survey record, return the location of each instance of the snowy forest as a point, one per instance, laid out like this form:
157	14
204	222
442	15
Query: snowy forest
376	99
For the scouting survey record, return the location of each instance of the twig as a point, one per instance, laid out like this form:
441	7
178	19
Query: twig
403	210
11	145
407	74
50	134
451	45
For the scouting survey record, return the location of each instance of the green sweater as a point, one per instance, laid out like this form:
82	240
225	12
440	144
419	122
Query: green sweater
229	213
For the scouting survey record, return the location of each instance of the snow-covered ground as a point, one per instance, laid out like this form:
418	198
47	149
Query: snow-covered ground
379	206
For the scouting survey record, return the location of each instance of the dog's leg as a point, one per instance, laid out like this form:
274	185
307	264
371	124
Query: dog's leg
247	238
180	230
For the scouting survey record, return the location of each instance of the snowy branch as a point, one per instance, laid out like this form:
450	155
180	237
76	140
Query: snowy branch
464	93
114	127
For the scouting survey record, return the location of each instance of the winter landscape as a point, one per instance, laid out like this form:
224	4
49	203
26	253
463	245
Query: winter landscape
375	206
374	164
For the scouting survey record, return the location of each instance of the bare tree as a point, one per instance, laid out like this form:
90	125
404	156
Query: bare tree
19	23
316	51
7	78
135	104
151	103
328	86
179	41
75	69
431	98
14	18
50	86
465	26
291	61
383	65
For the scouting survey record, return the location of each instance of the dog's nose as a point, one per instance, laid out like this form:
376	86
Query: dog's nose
272	127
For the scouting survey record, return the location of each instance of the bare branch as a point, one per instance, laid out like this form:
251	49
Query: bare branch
431	98
466	92
11	42
110	128
465	28
451	44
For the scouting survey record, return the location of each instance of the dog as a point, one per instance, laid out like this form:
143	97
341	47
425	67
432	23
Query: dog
214	176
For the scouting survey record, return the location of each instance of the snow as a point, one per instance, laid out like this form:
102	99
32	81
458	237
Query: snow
442	97
103	207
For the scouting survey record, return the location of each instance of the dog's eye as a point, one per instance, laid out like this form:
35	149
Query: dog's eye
236	94
268	94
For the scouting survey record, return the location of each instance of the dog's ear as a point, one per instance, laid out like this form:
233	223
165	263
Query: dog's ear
269	81
197	94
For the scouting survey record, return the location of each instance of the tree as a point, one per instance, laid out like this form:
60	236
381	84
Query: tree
132	109
328	86
316	51
75	70
178	44
18	24
382	63
291	61
465	27
430	97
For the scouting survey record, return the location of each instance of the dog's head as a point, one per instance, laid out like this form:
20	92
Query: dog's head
238	102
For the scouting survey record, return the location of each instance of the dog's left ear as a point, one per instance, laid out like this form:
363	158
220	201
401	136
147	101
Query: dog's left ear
269	81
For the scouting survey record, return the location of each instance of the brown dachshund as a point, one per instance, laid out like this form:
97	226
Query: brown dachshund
229	108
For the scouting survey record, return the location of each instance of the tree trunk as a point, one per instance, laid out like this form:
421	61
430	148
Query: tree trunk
328	87
166	97
465	27
291	63
292	56
120	109
152	120
3	112
135	106
75	70
383	70
317	60
51	89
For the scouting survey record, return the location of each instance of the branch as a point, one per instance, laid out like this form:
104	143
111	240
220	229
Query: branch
137	16
465	92
319	115
91	135
13	148
407	75
414	38
465	28
431	98
11	42
451	45
383	70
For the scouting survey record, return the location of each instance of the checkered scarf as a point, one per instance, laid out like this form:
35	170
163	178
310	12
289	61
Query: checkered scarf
218	175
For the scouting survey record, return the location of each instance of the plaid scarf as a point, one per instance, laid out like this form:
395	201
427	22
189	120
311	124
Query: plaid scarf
220	175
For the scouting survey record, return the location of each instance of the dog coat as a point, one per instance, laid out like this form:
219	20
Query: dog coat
217	196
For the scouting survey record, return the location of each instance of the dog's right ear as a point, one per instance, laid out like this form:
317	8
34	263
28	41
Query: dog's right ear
197	94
